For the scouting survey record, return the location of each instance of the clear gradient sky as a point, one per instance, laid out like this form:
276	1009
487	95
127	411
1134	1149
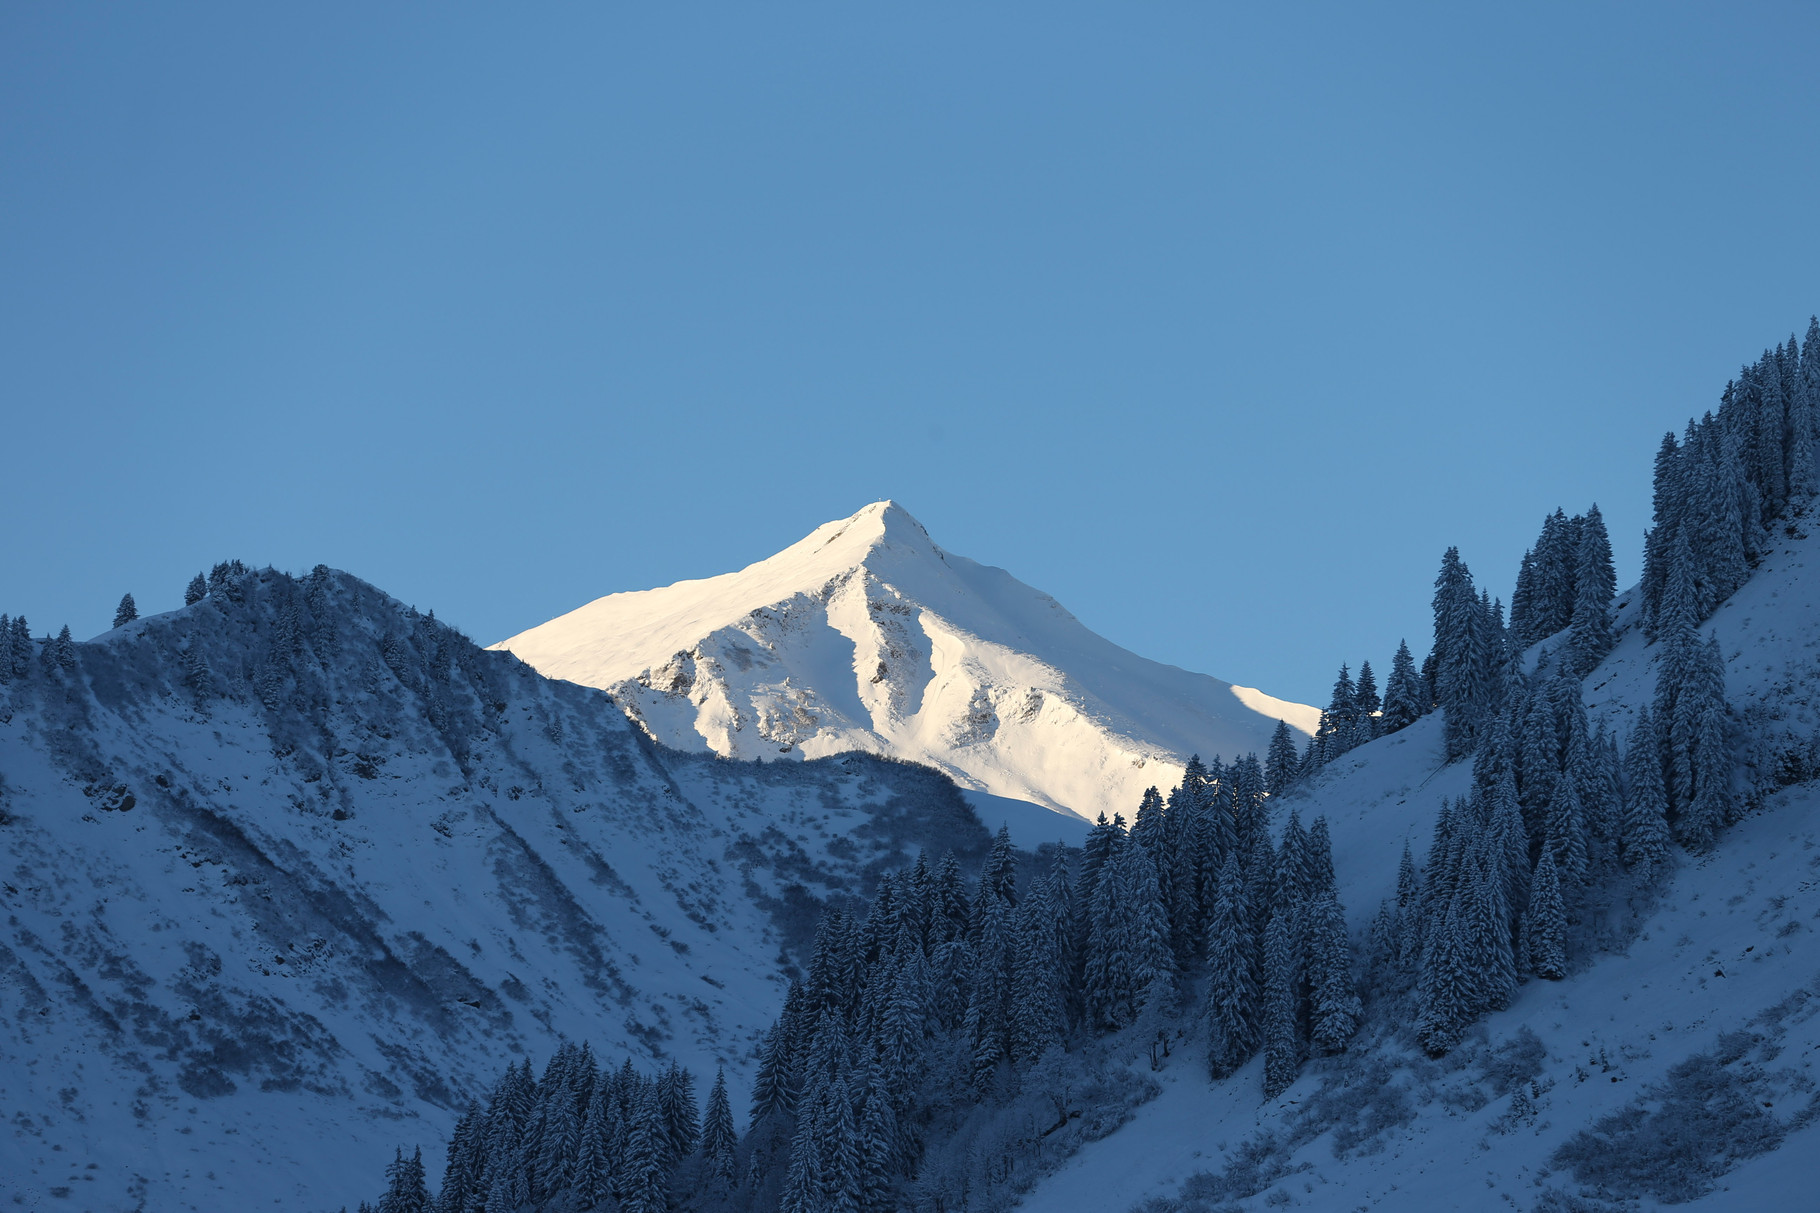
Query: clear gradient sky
1216	322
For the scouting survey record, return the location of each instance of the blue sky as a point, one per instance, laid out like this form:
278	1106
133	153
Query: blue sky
1219	325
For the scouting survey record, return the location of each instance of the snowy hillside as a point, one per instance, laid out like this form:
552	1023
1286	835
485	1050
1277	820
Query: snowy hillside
867	636
1712	1009
291	873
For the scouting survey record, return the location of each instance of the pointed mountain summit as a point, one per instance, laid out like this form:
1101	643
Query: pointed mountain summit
868	636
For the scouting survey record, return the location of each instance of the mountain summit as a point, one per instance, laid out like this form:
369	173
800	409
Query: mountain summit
866	635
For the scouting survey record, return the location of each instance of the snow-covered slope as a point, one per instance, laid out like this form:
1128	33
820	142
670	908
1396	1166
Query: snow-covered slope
289	874
867	636
1725	970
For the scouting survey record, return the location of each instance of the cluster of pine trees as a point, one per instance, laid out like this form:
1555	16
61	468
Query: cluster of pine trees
583	1137
1353	716
1732	475
17	649
988	984
1555	817
1567	580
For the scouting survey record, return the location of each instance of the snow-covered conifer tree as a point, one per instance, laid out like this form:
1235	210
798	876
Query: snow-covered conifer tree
719	1139
1039	986
1595	580
988	1016
126	612
1282	1045
1108	977
406	1191
1645	834
1335	1010
1444	992
1365	694
1546	923
877	1146
1281	760
1711	806
1232	990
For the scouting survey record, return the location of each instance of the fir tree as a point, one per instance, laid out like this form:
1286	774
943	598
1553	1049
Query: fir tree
197	590
126	612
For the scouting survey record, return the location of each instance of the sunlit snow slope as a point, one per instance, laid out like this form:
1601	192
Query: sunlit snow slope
867	636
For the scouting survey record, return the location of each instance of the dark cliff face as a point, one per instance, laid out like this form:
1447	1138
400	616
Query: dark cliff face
297	860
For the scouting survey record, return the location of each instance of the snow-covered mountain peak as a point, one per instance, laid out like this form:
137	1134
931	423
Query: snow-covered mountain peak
867	635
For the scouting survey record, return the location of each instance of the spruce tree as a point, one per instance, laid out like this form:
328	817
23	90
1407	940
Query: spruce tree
1107	977
676	1103
1546	924
1281	760
1446	987
126	612
878	1146
771	1093
1645	833
1490	948
1335	1009
405	1188
1232	990
719	1139
989	999
1403	701
1566	835
196	591
593	1172
1038	1002
1595	581
1365	694
1152	961
1711	806
1408	932
1510	844
644	1180
1282	1048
